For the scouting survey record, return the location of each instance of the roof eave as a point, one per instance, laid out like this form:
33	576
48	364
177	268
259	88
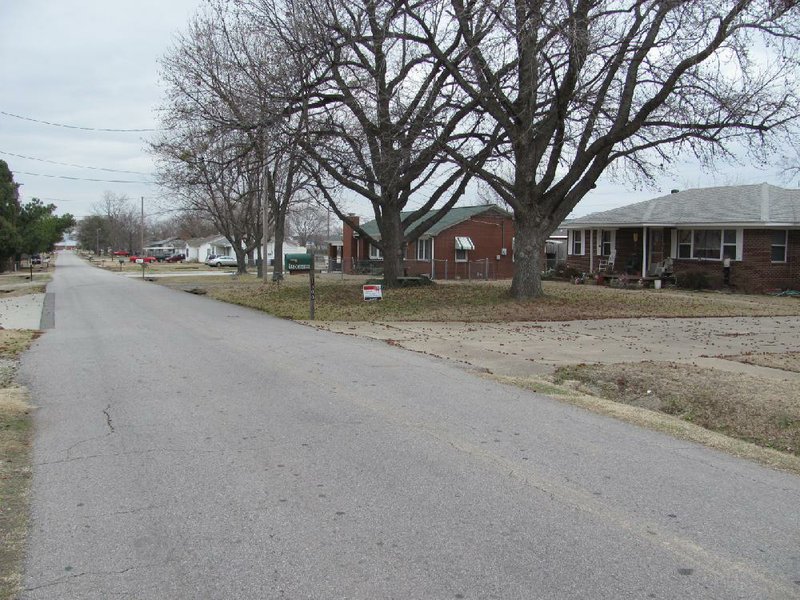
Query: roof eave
748	224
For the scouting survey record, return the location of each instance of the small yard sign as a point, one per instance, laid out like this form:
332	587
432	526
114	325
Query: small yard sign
372	292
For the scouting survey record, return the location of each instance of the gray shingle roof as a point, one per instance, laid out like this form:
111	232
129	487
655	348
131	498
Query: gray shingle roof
453	217
197	242
759	204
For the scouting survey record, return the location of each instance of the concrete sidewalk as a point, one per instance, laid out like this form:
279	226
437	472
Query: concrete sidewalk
531	348
22	312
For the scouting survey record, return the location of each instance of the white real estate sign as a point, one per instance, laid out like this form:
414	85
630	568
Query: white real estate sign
372	292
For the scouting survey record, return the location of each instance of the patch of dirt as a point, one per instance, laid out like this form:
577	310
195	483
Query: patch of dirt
754	409
7	370
787	361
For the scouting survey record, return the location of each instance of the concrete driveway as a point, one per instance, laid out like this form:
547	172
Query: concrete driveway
532	348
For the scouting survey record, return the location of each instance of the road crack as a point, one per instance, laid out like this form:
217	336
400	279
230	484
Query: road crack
109	422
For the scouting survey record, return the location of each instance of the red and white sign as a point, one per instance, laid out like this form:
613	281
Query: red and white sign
372	292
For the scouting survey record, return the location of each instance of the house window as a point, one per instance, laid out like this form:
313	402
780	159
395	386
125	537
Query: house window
778	248
605	242
375	253
708	244
463	246
729	243
424	249
576	245
685	243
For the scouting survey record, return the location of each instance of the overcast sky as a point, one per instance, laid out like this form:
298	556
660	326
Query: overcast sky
93	64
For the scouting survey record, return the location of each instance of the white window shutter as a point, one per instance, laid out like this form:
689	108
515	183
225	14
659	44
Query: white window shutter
570	235
673	252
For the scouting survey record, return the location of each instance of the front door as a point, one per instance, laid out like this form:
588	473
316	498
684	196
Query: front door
655	246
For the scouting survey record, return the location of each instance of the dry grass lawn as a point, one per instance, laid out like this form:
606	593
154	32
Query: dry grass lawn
478	302
22	291
15	470
762	411
110	264
19	284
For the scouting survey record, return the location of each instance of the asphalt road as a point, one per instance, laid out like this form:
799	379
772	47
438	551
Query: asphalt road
191	449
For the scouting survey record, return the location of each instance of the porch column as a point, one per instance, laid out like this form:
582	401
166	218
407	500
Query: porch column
591	251
644	251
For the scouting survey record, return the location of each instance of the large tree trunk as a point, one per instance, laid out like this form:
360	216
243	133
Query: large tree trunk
528	258
393	249
280	234
241	258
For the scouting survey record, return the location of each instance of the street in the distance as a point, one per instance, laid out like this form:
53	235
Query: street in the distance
187	448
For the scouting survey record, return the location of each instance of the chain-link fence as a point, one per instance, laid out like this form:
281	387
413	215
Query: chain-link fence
442	269
484	269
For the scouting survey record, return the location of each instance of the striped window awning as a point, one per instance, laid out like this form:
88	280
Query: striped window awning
464	243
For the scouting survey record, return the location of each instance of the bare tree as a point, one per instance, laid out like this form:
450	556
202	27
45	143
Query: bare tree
214	173
226	72
121	222
581	86
308	222
185	224
383	114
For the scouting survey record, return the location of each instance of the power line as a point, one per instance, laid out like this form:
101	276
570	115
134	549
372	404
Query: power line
53	162
107	129
85	178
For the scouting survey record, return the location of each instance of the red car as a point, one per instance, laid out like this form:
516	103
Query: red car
121	253
147	259
175	258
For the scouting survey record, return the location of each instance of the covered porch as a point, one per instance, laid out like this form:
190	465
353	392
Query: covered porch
639	252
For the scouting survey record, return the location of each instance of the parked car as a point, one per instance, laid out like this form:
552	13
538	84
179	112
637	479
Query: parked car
175	258
222	261
147	259
36	259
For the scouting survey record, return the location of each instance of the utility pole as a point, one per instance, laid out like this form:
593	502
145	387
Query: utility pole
141	230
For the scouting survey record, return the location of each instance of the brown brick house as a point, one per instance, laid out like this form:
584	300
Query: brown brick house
469	242
755	229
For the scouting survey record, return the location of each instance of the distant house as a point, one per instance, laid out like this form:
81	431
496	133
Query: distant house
468	242
165	248
199	249
755	229
66	244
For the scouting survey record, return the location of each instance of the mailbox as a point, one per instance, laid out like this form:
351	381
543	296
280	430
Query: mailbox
297	262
